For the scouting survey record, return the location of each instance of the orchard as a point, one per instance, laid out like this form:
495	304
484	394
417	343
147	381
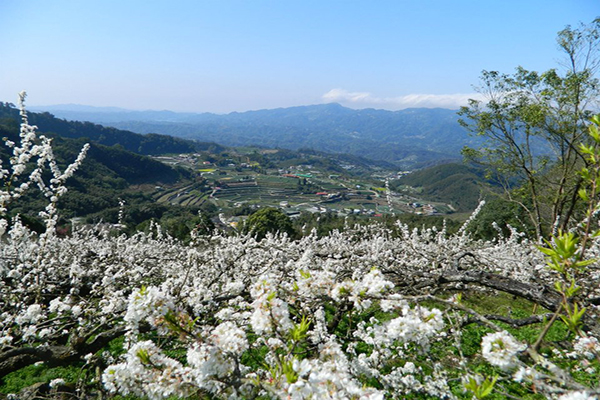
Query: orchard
365	313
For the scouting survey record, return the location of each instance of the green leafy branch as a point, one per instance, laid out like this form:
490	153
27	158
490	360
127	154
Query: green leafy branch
482	389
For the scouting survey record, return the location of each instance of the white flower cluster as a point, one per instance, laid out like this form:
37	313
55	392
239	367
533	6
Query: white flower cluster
35	151
150	305
223	300
416	325
32	315
501	349
229	338
270	313
388	194
465	225
56	382
578	396
147	372
361	292
214	361
328	377
588	347
234	282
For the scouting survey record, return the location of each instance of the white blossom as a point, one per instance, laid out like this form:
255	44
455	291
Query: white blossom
588	347
577	396
501	349
56	382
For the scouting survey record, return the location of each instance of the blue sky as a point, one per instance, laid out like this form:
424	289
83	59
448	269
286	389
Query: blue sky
223	56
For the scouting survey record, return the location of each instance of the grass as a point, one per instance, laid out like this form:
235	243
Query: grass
25	377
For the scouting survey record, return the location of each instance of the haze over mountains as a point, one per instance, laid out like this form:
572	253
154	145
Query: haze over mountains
411	138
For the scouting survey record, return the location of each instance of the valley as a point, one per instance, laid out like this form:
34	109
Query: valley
137	178
314	184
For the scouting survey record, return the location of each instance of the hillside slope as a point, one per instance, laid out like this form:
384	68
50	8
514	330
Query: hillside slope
105	175
458	184
149	144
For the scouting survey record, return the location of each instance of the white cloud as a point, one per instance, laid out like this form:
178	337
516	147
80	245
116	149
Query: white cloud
365	99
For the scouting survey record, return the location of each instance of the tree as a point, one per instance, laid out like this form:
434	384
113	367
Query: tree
533	124
268	220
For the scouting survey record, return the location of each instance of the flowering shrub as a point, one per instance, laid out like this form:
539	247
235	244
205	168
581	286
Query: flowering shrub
360	314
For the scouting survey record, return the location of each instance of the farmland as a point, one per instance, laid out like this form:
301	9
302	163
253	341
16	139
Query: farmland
296	182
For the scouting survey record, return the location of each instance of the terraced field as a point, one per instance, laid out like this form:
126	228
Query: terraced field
242	181
190	195
265	189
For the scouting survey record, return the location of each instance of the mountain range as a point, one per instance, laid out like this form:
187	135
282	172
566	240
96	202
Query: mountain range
151	144
411	138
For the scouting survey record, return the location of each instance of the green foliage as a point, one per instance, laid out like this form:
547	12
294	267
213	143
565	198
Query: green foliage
268	220
298	332
323	223
180	226
480	390
503	213
423	222
460	185
533	124
573	318
563	255
506	305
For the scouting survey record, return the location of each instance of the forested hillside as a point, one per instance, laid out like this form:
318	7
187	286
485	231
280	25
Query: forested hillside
461	185
149	144
104	177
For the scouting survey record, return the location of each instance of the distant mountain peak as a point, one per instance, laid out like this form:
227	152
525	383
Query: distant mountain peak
336	106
